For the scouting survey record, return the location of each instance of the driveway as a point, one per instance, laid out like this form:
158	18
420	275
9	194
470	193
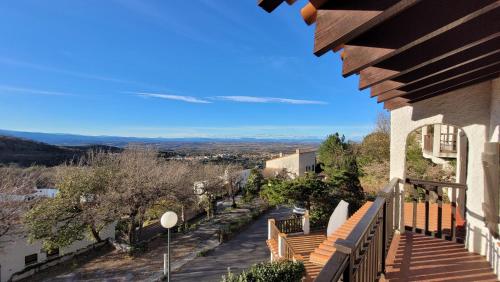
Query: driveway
239	253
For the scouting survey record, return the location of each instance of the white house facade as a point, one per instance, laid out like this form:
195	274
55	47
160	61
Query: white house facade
476	111
297	164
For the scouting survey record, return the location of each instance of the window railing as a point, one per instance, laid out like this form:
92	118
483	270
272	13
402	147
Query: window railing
361	256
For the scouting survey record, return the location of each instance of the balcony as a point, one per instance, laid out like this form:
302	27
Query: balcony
448	143
428	143
369	247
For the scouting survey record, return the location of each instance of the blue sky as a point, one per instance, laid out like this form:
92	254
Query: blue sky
203	68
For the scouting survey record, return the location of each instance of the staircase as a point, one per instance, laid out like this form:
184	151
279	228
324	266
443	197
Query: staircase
324	251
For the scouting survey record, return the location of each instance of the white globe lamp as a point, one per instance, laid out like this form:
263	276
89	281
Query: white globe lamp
168	220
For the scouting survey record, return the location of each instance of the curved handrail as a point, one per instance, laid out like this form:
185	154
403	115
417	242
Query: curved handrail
376	224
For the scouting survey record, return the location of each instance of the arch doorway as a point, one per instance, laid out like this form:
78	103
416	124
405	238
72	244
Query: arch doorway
435	189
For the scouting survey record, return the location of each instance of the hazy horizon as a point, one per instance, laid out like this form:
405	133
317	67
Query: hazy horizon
173	70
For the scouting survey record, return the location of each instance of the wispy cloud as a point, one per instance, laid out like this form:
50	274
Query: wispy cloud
45	68
8	88
254	99
188	99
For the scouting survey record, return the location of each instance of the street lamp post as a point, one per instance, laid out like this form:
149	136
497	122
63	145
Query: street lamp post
168	220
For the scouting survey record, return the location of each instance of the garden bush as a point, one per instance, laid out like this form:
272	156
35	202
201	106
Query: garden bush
278	271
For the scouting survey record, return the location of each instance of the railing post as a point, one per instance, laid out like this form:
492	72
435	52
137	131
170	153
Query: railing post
415	203
440	213
400	194
270	223
426	228
453	227
281	245
344	247
384	235
305	223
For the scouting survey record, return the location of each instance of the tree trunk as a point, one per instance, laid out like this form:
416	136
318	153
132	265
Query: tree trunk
183	218
95	234
233	196
131	230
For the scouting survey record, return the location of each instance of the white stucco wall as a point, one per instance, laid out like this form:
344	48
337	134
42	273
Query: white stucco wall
290	163
475	109
295	163
306	159
14	248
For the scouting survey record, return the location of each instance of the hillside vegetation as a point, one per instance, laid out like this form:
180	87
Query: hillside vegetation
26	152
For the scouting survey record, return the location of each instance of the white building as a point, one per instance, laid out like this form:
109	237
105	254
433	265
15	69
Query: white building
296	164
20	259
440	142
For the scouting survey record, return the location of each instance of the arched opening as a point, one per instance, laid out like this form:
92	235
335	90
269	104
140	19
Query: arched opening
435	185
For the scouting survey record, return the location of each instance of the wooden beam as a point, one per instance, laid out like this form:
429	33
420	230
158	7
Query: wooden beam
374	75
384	87
448	81
460	69
396	103
453	82
318	3
365	53
458	86
344	20
309	13
269	5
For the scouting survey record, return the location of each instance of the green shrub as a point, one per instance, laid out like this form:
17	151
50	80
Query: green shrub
278	271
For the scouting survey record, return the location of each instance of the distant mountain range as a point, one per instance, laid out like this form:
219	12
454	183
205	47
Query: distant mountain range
23	152
62	139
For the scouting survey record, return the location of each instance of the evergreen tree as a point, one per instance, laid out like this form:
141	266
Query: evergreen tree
254	183
341	169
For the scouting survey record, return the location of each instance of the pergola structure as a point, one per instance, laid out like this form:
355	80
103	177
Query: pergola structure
407	50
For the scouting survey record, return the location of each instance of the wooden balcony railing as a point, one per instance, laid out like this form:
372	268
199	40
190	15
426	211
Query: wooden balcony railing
361	256
287	250
428	188
290	225
428	143
274	231
284	249
448	143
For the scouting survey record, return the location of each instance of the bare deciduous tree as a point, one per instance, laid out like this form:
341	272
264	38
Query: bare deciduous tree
143	179
233	181
383	123
15	185
210	183
80	207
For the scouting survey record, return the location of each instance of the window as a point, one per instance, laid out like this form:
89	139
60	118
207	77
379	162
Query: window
31	259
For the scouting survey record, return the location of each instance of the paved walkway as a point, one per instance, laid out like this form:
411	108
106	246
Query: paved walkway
115	266
239	253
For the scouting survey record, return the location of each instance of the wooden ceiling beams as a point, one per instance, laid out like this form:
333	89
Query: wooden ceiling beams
409	50
343	21
398	37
